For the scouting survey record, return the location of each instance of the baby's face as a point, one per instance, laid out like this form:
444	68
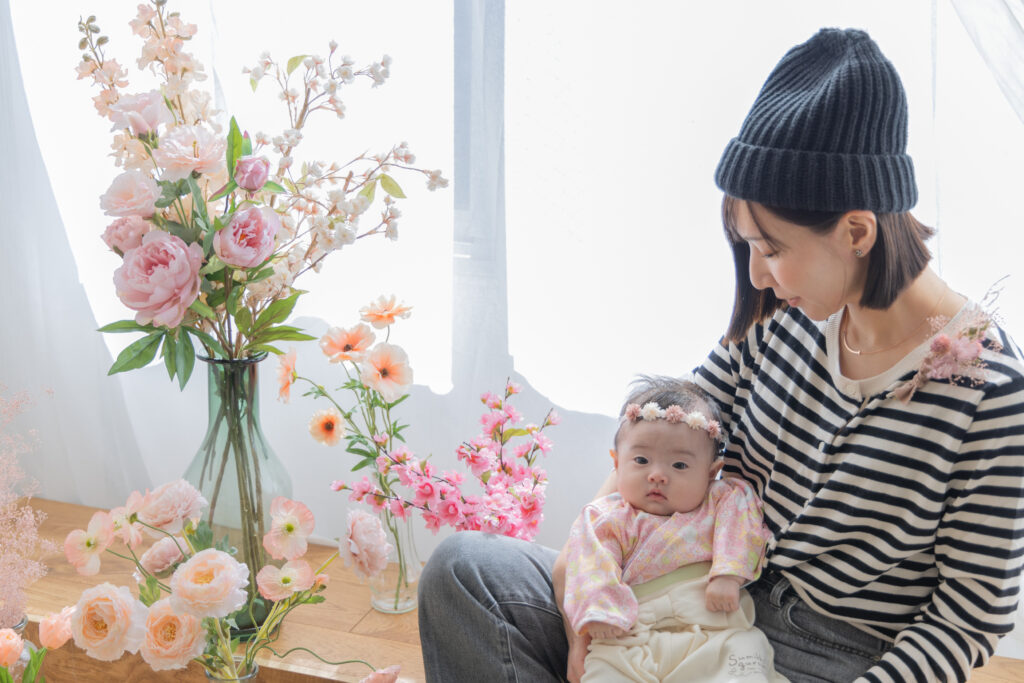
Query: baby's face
664	467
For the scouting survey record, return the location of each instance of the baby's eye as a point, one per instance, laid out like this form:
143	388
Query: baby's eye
640	460
679	465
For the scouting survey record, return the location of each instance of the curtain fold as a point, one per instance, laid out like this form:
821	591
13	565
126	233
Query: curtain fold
997	29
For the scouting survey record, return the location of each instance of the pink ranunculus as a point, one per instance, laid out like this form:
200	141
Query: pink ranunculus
279	584
168	506
211	583
366	546
126	233
172	639
141	113
248	239
291	523
159	280
55	629
185	149
251	172
108	621
162	555
11	645
83	548
388	675
133	193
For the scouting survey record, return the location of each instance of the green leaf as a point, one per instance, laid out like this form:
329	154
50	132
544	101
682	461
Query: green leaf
257	275
234	297
281	333
198	201
202	309
213	265
168	352
206	339
150	591
126	326
369	190
394	403
234	149
184	358
179	230
218	225
271	186
294	62
266	347
224	191
277	312
361	464
360	451
253	83
5	675
35	663
389	185
243	320
202	538
137	354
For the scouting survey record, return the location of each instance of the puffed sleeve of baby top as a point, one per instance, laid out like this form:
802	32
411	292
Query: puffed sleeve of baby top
739	534
598	544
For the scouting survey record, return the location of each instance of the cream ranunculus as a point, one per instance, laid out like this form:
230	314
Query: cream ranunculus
108	621
172	639
133	193
159	279
209	584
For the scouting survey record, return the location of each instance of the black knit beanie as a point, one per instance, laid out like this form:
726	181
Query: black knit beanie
827	132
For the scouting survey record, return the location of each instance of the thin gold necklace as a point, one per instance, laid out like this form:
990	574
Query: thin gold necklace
903	341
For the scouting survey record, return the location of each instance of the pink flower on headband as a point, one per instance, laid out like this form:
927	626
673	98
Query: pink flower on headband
674	414
714	430
632	411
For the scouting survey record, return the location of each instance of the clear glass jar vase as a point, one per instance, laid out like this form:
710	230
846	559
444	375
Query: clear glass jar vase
249	675
393	591
235	468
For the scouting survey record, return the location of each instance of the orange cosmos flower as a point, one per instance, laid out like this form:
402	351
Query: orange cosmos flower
386	370
341	344
286	375
383	312
327	426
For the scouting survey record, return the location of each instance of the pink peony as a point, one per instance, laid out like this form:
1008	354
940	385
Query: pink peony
83	548
133	193
141	113
55	629
108	621
366	547
291	523
388	675
209	584
386	370
10	646
251	172
248	239
162	555
279	584
172	639
159	280
167	506
186	149
126	233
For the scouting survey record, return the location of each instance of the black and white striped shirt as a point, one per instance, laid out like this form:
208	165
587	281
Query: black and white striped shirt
905	519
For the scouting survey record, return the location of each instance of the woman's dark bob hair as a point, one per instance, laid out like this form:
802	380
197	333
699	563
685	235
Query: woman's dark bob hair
897	257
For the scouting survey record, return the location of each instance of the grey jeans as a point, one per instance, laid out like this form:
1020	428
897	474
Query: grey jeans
487	612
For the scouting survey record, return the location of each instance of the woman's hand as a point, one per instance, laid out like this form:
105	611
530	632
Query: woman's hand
723	593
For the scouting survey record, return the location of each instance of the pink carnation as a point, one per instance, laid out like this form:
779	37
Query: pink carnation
366	546
133	193
248	239
126	233
169	505
160	279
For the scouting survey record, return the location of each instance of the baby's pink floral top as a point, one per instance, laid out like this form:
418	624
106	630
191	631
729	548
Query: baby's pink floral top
613	546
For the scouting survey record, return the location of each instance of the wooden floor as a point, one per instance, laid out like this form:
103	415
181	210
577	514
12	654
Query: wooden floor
343	627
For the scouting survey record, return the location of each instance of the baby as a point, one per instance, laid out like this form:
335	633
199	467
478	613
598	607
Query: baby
673	520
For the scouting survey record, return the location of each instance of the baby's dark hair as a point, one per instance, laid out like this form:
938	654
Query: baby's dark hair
665	391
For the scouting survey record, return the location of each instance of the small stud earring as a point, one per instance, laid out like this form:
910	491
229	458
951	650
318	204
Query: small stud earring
858	253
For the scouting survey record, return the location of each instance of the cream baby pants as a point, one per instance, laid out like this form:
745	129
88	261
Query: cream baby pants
677	640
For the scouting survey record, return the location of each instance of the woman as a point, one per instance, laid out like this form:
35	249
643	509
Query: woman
889	453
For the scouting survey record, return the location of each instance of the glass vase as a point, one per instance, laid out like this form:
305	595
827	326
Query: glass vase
249	675
393	591
235	468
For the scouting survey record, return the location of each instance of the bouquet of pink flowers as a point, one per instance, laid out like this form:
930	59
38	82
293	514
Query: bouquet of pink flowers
191	589
215	226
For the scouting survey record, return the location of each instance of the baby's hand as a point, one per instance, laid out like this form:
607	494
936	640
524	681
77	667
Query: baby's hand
723	593
601	631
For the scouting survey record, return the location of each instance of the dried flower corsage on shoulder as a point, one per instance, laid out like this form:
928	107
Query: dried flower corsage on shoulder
956	356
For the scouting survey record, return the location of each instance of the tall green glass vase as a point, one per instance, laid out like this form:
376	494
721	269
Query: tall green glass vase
235	468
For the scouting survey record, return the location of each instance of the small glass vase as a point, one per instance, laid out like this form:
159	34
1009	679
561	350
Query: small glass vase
393	591
250	675
235	468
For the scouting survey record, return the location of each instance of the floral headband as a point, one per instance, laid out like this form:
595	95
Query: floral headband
650	412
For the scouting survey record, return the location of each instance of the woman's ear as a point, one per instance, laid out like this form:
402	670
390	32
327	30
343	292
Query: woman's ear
858	231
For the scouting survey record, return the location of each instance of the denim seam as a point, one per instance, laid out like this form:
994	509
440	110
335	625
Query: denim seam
788	617
496	607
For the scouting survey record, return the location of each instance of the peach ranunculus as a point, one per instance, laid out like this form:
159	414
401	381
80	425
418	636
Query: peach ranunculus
159	280
386	370
279	584
326	426
133	193
366	546
83	548
11	645
211	583
55	629
341	344
172	639
142	113
168	506
383	312
251	172
388	675
163	554
248	239
291	523
126	233
108	621
286	375
185	149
